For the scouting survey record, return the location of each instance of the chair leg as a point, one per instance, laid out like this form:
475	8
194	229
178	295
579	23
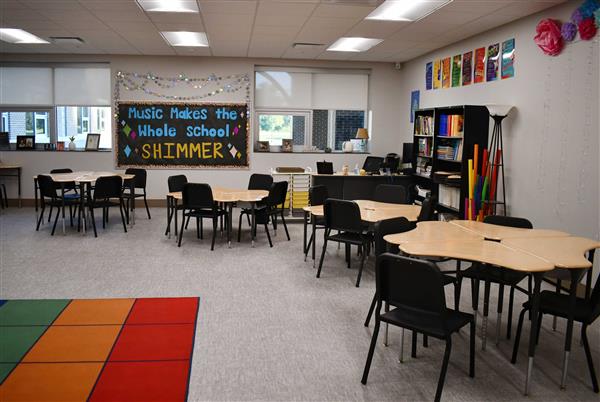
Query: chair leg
425	341
472	349
187	222
588	356
401	357
183	224
387	326
558	285
413	352
240	229
201	229
214	234
268	234
513	359
486	309
285	226
55	221
539	328
371	352
310	240
475	297
93	219
146	204
511	300
121	207
322	256
37	228
499	312
348	254
371	309
362	265
50	213
103	218
440	387
71	215
197	227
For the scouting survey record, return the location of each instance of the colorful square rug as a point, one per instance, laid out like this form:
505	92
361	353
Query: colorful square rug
97	349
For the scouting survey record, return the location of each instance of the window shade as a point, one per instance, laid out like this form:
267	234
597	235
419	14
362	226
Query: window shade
82	86
25	86
280	89
340	91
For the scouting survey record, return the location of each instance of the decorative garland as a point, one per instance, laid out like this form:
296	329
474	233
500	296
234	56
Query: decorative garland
551	35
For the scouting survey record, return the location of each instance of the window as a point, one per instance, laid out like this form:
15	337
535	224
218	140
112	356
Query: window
78	122
27	123
83	120
275	127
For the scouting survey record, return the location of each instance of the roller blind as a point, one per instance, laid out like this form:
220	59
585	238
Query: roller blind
82	86
281	89
340	91
25	86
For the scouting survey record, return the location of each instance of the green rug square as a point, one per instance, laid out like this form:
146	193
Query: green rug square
31	312
16	341
5	368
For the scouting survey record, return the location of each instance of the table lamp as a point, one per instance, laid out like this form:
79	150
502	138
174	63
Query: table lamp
363	135
498	113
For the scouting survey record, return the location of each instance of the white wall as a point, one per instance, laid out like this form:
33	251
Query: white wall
384	101
551	139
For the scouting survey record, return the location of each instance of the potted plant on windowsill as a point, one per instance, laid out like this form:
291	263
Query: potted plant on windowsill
72	146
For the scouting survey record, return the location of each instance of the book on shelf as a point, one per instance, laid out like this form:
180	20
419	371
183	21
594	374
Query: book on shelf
424	147
451	125
450	151
424	125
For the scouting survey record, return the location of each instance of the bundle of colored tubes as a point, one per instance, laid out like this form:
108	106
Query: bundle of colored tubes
482	184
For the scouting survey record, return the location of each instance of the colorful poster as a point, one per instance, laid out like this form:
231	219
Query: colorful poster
437	74
479	65
446	73
467	68
414	103
429	76
508	59
456	70
493	55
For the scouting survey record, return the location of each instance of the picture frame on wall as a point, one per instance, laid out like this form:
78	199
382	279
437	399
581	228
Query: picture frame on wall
263	146
287	145
25	142
92	142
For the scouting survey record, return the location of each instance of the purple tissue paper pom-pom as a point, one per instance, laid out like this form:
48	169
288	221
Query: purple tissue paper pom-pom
568	31
577	17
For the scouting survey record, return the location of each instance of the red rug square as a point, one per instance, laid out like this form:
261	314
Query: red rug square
181	310
154	342
142	381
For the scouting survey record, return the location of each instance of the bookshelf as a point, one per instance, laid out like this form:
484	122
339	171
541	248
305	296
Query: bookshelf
449	134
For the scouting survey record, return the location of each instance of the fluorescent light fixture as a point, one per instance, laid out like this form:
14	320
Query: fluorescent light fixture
353	44
169	6
20	37
406	10
184	38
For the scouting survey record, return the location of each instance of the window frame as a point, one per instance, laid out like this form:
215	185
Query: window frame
35	109
89	119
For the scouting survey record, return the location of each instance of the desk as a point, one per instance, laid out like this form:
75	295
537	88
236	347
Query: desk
355	187
222	195
497	232
84	179
17	173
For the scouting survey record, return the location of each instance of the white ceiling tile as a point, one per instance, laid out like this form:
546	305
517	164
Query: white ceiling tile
480	7
524	8
327	22
175	18
227	7
320	35
376	29
285	8
111	5
53	5
357	12
281	31
195	27
334	56
192	51
303	53
120	16
229	48
229	26
11	15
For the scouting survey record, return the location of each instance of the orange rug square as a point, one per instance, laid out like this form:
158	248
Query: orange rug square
95	312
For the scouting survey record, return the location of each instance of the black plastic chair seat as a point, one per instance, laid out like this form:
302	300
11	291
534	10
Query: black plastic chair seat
350	237
504	276
102	203
558	304
425	323
319	220
204	213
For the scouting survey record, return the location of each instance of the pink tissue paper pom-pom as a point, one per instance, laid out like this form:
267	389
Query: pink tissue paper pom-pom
587	29
548	37
568	31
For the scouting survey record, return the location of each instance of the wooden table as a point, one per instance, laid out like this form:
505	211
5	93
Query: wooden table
226	196
17	169
519	250
85	180
371	212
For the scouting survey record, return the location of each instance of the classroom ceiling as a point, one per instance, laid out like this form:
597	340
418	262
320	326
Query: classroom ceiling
253	28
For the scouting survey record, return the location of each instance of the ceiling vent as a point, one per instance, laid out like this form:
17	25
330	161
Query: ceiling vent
307	46
67	40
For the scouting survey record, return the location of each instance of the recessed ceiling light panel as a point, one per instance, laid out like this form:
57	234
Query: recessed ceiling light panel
20	37
353	44
406	10
184	38
169	6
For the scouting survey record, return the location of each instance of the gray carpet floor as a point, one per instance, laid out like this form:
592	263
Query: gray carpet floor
267	328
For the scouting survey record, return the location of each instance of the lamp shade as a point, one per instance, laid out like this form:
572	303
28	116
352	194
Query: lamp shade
499	110
362	133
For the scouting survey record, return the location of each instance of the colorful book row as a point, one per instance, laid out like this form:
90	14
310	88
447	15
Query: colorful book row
451	125
424	125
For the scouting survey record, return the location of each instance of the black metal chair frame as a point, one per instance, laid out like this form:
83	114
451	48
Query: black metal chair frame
270	208
140	179
48	196
316	196
102	196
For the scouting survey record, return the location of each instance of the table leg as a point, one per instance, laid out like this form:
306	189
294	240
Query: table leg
575	277
132	196
304	237
82	212
229	222
169	216
253	225
19	185
62	193
175	214
588	281
313	220
535	306
35	194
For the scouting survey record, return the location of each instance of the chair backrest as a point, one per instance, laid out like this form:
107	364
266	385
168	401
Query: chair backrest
140	177
324	167
595	301
277	193
386	227
197	196
372	163
342	215
508	221
108	187
410	283
317	195
176	183
47	186
260	182
427	209
65	170
390	193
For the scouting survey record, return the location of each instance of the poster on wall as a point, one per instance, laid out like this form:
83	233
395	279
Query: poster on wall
437	74
429	76
446	72
456	70
467	68
414	103
508	59
479	65
164	135
493	55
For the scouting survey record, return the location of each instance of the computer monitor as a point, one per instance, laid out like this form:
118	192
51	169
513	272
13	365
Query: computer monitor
324	167
407	152
372	164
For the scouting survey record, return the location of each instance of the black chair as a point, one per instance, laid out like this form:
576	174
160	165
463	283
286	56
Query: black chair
324	167
175	184
3	196
107	189
139	181
316	196
260	182
344	216
427	212
586	312
416	289
391	194
48	196
70	191
198	202
493	274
